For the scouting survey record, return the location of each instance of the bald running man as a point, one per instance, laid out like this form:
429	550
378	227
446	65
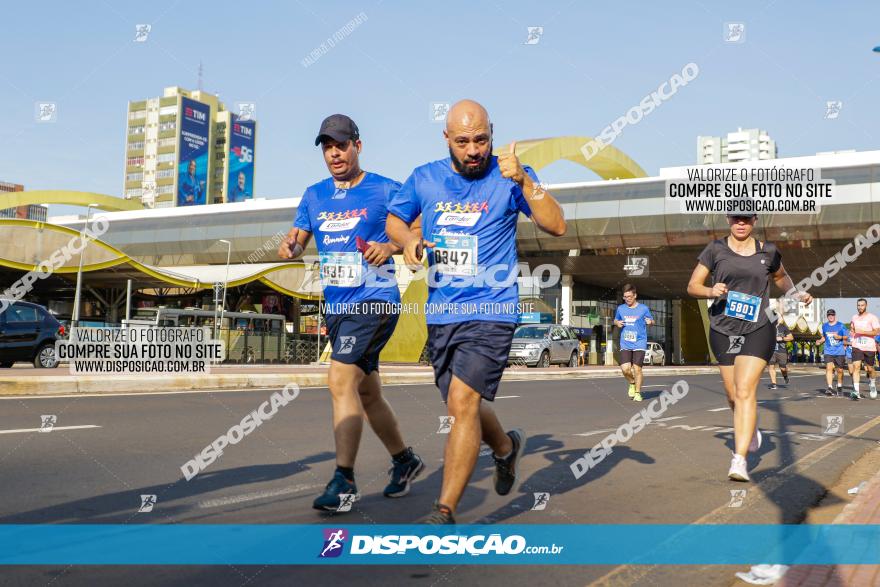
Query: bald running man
469	204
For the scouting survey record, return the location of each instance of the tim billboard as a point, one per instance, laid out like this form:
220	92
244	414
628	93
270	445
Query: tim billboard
240	180
192	167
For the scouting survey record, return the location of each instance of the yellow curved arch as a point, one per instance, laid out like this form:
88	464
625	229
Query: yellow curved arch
608	163
71	198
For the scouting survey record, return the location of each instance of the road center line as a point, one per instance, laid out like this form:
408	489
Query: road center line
254	495
54	429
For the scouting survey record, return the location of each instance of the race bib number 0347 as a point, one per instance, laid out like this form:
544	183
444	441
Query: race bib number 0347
455	254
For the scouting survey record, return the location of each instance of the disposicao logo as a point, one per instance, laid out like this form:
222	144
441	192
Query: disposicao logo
334	542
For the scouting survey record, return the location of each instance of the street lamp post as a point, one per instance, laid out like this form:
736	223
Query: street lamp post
78	293
225	285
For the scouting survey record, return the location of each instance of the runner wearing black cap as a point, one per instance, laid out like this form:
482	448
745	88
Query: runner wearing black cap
741	335
835	337
346	213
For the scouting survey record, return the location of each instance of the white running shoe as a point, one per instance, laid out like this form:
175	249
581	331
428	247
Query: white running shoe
872	393
755	445
738	470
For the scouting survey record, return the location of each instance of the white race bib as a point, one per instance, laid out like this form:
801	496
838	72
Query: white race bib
455	254
342	269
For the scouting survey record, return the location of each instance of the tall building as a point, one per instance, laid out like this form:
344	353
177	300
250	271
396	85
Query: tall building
184	149
751	144
31	212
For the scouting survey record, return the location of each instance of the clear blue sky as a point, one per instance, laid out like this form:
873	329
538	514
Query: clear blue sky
593	62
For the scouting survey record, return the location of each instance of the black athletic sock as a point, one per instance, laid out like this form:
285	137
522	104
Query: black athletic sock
404	456
347	472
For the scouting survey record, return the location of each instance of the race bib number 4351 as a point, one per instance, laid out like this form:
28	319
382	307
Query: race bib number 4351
341	269
455	254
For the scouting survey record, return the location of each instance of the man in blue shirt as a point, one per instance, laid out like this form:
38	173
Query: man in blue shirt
633	320
238	193
834	337
470	203
189	190
346	213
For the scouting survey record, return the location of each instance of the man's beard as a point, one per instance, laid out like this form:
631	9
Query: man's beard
471	172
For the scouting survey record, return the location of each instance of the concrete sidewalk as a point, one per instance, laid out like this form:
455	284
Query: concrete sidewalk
26	381
864	509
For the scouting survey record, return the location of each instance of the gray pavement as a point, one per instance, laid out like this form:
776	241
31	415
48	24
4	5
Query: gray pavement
674	471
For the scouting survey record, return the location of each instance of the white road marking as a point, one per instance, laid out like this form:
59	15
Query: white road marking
763	401
254	495
659	421
54	428
591	433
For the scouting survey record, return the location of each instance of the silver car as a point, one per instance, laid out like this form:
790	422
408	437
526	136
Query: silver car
540	345
654	354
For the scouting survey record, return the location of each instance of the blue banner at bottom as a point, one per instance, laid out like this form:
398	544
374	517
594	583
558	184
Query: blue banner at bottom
209	544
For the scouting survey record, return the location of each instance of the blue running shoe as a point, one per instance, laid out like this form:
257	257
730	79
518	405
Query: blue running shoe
330	500
402	476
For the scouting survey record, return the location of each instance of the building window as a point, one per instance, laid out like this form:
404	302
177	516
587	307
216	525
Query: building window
135	162
137	114
165	189
135	176
166	158
164	173
168	142
134	193
136	146
167	125
136	130
166	110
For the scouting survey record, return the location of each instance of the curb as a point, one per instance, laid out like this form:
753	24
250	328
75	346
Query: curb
96	385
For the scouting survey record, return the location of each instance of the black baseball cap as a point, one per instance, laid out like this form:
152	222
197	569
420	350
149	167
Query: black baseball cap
830	312
338	127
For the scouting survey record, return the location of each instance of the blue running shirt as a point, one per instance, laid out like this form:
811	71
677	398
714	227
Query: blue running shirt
336	218
473	268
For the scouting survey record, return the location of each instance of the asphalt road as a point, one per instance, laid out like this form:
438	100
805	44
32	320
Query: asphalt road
106	451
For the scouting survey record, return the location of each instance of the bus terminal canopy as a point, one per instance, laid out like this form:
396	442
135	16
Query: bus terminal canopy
26	245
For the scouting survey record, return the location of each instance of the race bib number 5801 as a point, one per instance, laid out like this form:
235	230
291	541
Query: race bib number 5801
742	306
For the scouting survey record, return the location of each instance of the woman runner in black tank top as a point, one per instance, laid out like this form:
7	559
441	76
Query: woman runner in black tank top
741	333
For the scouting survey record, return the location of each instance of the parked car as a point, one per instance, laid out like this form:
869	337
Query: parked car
28	333
655	355
540	345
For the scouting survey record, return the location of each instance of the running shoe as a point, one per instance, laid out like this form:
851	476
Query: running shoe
785	376
506	469
402	476
440	515
738	470
872	390
773	386
757	439
638	396
855	396
829	392
329	501
839	391
632	389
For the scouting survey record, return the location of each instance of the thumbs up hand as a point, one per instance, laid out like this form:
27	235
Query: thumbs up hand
510	166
